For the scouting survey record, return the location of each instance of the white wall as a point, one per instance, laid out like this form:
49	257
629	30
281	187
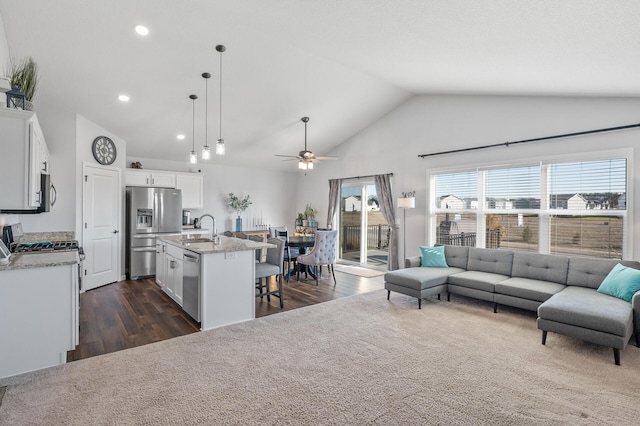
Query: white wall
427	124
273	193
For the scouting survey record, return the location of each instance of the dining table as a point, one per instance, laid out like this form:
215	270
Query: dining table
302	242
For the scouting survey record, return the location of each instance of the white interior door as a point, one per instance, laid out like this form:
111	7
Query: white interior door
101	226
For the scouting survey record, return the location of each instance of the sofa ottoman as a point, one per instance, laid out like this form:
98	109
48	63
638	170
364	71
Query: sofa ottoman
586	314
418	282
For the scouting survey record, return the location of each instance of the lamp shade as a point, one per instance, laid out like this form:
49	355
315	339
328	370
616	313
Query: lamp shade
407	202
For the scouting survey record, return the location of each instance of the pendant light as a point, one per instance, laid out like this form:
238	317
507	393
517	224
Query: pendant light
193	157
220	149
206	151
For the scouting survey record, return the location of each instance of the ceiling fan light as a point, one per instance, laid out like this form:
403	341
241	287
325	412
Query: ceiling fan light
302	165
220	150
206	152
309	165
193	157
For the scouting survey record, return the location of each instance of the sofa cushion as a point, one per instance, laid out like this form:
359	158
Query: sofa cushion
478	280
622	282
543	267
433	257
527	288
490	260
586	308
420	278
588	271
457	256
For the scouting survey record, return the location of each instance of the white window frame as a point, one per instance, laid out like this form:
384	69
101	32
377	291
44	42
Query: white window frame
544	213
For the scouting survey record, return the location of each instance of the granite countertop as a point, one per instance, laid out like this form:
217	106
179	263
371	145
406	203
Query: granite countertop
227	244
41	260
32	237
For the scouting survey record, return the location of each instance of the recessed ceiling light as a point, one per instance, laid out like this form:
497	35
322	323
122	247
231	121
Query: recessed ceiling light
142	30
180	137
123	98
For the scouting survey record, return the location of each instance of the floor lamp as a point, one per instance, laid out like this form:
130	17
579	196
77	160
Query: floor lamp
407	201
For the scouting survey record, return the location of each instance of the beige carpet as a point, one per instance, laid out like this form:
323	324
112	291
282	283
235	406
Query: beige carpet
358	270
356	360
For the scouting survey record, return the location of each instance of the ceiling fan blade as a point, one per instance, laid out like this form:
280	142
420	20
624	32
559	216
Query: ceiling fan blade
288	156
326	158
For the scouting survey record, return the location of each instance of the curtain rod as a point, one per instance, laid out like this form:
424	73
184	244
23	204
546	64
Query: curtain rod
368	176
566	135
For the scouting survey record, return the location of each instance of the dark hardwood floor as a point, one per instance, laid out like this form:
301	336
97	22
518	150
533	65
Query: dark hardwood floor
127	314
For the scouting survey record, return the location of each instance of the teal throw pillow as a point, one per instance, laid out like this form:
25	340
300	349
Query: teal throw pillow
433	257
622	282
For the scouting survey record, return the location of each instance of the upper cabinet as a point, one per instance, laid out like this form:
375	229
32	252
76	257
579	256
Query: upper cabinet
191	184
135	177
25	156
192	190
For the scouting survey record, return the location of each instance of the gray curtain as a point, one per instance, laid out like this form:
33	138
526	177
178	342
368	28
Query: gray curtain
334	200
383	189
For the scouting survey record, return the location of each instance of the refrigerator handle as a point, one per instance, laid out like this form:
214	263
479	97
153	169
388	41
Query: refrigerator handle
156	213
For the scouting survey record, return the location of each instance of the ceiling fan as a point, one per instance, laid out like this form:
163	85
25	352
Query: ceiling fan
306	158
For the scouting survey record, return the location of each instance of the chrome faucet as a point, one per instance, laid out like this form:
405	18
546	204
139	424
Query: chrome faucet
214	231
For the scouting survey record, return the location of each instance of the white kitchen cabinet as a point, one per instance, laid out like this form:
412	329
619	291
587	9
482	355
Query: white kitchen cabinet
174	269
39	162
161	263
25	156
135	177
192	186
38	317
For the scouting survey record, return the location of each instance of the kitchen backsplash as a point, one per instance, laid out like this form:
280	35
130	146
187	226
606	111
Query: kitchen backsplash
32	237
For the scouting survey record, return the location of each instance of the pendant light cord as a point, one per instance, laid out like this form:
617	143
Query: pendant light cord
206	111
220	95
193	128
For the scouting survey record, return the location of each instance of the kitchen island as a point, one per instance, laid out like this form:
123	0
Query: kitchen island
214	283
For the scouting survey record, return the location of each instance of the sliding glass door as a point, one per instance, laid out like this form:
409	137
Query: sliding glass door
364	234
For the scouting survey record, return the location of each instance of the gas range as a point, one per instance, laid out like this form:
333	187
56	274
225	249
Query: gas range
44	246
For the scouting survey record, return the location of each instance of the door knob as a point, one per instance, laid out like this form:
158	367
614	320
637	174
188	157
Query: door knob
115	232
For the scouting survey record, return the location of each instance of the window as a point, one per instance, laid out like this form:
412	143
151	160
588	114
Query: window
572	208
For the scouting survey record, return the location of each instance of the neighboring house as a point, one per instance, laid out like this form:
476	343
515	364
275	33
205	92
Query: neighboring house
373	204
577	202
451	202
352	203
499	203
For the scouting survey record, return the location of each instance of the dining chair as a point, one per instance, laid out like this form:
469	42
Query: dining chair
273	230
290	253
272	266
323	253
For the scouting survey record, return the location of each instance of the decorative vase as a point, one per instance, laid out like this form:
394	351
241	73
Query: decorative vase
238	224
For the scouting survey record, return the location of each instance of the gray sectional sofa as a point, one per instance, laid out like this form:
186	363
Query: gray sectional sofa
563	290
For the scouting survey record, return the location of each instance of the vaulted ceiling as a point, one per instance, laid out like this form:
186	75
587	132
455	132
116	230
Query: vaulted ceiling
343	63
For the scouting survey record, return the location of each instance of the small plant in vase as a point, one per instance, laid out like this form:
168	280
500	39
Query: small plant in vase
239	205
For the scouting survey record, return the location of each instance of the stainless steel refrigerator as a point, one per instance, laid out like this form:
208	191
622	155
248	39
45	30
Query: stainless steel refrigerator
151	212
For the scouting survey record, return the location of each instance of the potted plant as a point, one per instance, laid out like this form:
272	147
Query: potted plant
239	205
24	76
310	214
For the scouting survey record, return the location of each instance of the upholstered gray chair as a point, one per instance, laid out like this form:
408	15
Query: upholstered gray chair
270	267
323	253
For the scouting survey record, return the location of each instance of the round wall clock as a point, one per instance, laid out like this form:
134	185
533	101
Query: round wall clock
104	150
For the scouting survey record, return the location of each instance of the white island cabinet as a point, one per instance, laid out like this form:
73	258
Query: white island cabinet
227	278
38	311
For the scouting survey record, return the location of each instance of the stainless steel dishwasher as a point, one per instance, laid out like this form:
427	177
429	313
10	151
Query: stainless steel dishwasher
191	284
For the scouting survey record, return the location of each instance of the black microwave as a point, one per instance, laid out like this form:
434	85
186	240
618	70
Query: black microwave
48	195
